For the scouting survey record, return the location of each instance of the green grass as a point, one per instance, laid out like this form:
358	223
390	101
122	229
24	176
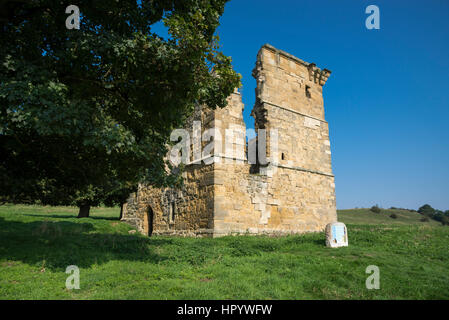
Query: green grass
38	243
59	212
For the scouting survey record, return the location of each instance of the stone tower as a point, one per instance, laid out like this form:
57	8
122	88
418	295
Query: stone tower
291	187
289	99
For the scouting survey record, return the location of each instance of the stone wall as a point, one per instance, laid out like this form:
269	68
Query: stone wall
223	193
289	201
186	211
294	193
189	210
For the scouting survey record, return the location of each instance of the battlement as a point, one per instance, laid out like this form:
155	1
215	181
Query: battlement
288	82
316	74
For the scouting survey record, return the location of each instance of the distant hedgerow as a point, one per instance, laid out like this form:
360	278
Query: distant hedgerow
424	219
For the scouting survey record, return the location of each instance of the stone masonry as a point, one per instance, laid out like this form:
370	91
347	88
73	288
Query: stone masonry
290	190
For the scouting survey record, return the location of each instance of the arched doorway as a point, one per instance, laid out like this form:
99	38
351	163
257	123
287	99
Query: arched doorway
148	222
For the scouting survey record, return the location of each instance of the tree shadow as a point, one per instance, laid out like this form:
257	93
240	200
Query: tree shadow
320	242
57	244
60	216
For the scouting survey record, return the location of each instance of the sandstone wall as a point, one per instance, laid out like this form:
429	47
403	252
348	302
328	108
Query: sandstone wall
294	193
187	211
288	201
223	193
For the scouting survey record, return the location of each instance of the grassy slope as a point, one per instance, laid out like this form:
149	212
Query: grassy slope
365	216
38	243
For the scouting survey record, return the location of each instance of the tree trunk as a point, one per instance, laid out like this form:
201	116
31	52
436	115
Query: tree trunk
84	211
121	211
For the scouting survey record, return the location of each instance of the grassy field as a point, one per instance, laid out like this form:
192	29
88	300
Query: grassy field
38	243
365	216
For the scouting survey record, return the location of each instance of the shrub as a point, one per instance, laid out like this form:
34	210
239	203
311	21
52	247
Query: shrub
375	209
424	219
393	216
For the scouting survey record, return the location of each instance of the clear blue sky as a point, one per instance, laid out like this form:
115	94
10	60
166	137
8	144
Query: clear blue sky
387	100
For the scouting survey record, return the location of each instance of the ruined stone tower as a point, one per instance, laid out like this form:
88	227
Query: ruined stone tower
291	187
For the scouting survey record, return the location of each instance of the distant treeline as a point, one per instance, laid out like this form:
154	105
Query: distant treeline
435	214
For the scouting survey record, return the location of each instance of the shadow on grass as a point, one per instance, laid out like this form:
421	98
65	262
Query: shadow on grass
56	245
59	216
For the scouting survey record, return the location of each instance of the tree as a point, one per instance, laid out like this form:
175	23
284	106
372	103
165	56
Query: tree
119	197
427	210
86	114
445	221
438	215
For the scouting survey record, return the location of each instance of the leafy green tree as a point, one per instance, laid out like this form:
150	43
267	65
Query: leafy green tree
445	221
427	210
441	216
438	215
86	114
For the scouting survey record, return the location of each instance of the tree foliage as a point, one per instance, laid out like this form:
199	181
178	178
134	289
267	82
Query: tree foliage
86	114
426	210
435	214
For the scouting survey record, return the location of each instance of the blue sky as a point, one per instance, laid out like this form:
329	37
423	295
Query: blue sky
387	99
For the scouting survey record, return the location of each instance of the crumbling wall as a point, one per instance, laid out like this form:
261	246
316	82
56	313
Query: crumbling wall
224	194
300	179
294	191
189	210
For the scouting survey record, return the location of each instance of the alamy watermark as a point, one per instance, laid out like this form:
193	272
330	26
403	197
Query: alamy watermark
373	20
195	146
72	21
72	281
373	281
